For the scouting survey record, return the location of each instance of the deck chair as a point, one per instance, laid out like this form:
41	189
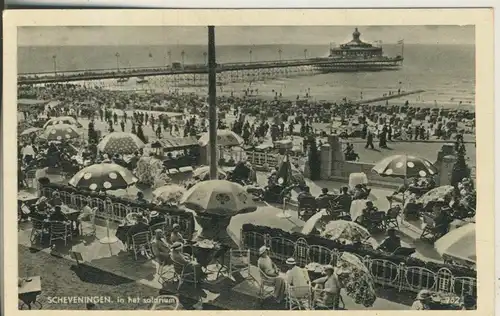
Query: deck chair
38	230
60	231
239	261
391	218
183	276
141	243
302	302
307	207
266	288
431	231
88	228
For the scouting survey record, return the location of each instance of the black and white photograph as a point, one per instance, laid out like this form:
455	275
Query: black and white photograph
293	167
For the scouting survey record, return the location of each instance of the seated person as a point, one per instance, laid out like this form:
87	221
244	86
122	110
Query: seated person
178	256
391	243
56	199
86	212
358	193
58	215
330	285
139	227
431	184
160	247
306	192
298	278
324	193
140	198
267	266
155	218
443	220
345	200
367	212
422	301
175	235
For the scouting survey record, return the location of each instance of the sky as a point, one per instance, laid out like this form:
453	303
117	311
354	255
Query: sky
239	35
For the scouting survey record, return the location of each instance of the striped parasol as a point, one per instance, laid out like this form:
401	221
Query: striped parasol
120	143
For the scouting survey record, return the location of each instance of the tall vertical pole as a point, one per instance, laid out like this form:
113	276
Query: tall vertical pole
212	109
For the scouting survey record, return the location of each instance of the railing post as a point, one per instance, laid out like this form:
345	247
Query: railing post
402	276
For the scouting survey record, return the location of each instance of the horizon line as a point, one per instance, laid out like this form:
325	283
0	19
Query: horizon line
224	45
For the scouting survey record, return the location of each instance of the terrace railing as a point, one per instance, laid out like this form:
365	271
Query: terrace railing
117	211
384	272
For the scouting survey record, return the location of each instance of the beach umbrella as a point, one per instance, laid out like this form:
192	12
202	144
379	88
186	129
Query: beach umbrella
346	230
404	166
30	131
60	132
204	172
459	243
356	279
225	137
120	143
316	221
102	177
171	193
218	197
62	120
436	194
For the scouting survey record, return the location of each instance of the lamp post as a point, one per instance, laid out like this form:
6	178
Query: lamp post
169	54
212	109
279	53
250	53
305	53
183	53
54	61
117	55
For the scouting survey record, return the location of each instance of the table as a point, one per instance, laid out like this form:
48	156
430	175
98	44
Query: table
28	291
205	255
26	197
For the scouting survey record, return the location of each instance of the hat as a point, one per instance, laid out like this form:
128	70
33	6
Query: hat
291	261
262	250
424	294
328	267
154	214
177	245
176	226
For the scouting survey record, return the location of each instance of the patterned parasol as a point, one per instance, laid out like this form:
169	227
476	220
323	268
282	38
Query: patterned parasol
218	197
104	176
404	166
204	172
169	193
120	143
60	132
62	120
225	137
345	230
436	194
356	279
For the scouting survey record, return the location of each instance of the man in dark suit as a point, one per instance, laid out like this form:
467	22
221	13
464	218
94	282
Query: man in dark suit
58	215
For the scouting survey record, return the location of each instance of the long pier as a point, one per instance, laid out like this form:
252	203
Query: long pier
254	70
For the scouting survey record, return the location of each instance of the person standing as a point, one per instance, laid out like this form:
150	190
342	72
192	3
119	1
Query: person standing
122	125
369	140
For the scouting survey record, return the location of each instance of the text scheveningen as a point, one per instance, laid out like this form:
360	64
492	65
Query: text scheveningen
79	299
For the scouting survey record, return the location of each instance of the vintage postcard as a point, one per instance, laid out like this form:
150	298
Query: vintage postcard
229	160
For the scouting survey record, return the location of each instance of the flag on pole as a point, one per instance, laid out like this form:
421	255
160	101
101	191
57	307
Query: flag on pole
401	41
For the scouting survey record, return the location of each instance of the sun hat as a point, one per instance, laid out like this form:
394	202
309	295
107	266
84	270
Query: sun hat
291	261
262	250
177	245
176	226
328	267
154	214
424	294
